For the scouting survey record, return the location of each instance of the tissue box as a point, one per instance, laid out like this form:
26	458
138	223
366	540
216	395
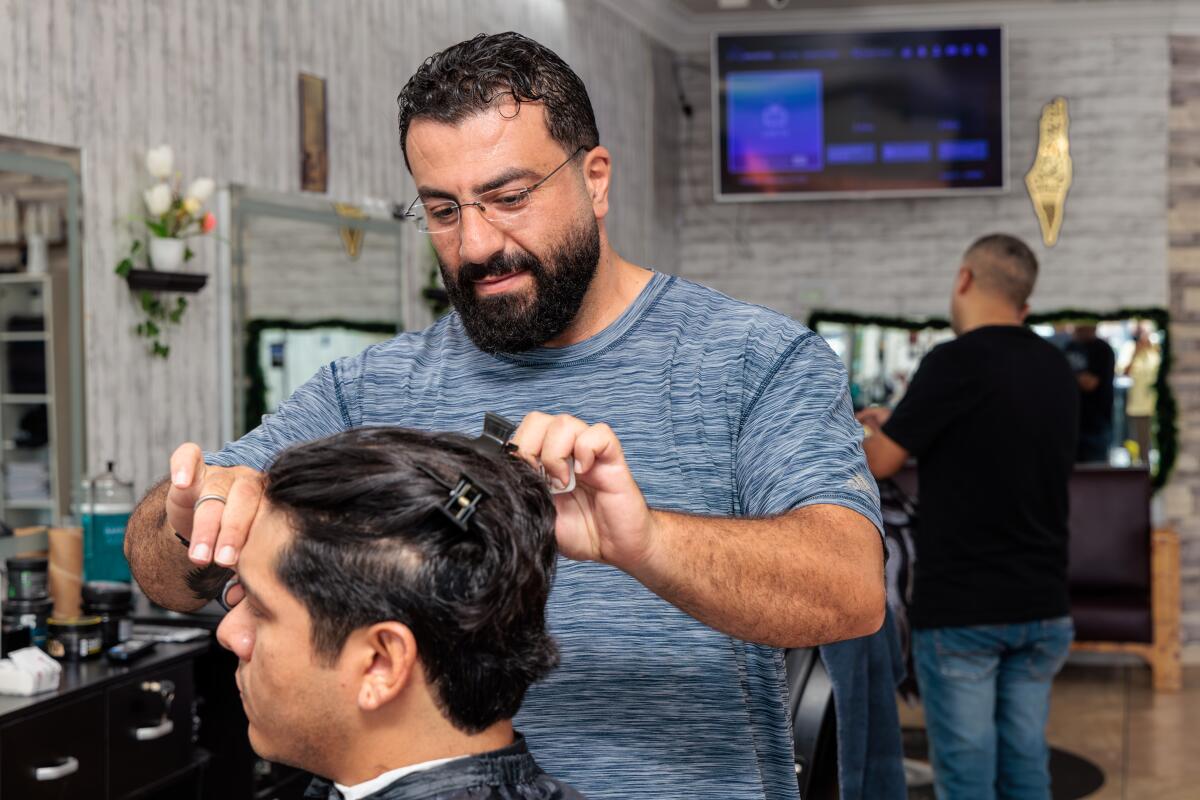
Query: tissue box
29	671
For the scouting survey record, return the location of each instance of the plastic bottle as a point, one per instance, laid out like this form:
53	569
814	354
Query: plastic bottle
107	503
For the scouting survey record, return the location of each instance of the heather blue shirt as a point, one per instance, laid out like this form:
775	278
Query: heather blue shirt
722	408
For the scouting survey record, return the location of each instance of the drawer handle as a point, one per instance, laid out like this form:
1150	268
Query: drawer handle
160	730
68	767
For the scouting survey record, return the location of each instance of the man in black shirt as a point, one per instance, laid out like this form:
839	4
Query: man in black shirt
1094	364
991	418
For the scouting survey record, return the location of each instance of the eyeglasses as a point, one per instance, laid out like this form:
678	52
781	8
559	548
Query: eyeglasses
500	206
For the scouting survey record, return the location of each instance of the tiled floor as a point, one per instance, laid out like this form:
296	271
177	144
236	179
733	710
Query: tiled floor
1147	743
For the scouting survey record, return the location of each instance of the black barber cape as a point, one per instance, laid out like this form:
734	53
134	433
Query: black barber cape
506	774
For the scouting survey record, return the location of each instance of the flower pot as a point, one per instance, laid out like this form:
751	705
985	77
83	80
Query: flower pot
166	254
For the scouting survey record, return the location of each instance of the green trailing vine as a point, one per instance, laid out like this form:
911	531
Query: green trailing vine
158	314
1166	410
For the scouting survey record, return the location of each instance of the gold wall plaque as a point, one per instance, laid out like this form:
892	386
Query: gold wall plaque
352	238
1049	179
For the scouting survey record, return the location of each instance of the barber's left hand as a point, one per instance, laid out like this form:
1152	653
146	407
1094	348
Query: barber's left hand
606	517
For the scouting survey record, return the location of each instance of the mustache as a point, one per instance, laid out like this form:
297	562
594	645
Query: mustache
496	267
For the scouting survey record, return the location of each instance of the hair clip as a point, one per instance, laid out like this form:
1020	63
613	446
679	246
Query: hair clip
464	500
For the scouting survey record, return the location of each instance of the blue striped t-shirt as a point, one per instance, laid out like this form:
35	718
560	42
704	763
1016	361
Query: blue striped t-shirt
722	408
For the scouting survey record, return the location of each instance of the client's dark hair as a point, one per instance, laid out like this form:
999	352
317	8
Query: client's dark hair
471	76
366	548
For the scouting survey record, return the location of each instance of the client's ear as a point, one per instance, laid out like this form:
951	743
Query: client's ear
393	654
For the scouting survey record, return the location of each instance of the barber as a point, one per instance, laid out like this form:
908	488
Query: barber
722	508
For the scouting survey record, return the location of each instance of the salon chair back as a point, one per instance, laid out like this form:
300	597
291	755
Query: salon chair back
1109	570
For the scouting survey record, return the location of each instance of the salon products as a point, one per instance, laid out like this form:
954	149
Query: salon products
27	578
14	637
74	638
112	602
129	651
106	504
31	614
29	671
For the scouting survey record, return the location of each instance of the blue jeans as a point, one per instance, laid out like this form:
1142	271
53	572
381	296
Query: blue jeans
986	692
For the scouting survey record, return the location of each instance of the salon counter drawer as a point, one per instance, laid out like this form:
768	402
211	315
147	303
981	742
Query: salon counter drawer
149	728
55	754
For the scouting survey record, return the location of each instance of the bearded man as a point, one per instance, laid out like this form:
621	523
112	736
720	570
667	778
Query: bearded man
721	507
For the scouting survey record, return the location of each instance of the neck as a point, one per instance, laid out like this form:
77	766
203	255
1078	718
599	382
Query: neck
391	747
990	315
616	284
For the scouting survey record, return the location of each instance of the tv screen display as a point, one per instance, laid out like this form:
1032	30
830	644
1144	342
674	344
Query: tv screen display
817	115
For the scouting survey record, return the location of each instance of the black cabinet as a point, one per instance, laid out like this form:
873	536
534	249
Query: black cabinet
109	731
149	729
56	754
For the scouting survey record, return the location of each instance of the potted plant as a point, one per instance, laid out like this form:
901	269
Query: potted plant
172	217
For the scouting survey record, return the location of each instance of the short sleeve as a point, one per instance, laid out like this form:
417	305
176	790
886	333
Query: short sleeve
939	394
320	407
798	443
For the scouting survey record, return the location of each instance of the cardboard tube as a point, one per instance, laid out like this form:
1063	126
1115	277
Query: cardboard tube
66	570
30	531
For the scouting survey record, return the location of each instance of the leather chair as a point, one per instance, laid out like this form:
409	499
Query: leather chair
814	726
1124	576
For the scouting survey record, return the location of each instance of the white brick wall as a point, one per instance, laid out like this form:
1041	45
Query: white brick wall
898	256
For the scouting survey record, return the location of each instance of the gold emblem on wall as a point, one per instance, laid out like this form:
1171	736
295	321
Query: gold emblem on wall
352	238
1049	179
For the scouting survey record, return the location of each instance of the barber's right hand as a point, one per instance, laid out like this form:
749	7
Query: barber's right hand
216	529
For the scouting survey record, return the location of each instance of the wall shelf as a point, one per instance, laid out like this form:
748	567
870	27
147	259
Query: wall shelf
25	399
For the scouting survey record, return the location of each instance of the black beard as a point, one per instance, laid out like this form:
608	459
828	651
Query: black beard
513	323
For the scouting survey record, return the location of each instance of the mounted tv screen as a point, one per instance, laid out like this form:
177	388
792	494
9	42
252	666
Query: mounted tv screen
819	115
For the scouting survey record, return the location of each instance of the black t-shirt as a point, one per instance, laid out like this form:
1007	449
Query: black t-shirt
1095	407
991	418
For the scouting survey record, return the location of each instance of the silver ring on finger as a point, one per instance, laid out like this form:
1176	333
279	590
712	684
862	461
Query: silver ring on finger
220	497
223	599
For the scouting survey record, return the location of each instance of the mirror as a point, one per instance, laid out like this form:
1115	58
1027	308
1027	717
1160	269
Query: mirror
42	426
1127	416
307	281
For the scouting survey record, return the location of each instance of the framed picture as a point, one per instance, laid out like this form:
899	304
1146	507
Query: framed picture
314	135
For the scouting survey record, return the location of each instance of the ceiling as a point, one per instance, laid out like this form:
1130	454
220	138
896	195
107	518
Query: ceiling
688	26
766	7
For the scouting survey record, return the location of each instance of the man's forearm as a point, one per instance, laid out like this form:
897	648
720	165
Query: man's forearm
812	576
159	561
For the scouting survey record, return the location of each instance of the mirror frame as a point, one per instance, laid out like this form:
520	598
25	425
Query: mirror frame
1165	412
65	163
235	205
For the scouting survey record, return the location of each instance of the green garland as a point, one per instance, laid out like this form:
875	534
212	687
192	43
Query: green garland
1166	410
256	382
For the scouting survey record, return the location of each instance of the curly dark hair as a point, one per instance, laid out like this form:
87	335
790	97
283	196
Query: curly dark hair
471	76
366	549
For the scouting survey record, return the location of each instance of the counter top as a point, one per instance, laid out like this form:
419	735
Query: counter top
79	678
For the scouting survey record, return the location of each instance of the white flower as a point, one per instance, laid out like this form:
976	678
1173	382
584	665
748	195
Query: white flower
160	160
158	199
201	189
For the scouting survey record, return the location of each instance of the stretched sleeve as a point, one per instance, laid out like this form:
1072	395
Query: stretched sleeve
322	406
798	443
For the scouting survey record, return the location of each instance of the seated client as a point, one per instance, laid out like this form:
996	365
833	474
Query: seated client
387	626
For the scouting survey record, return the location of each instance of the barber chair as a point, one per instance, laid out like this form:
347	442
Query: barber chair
1124	575
814	725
